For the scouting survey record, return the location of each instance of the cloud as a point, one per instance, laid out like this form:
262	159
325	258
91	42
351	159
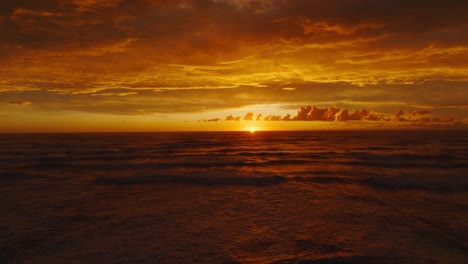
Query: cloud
362	114
273	118
447	98
309	113
232	118
20	102
152	56
422	117
249	116
287	118
334	114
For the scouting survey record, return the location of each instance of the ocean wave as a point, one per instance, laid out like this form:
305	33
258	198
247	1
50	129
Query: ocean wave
358	259
199	180
418	183
13	175
401	183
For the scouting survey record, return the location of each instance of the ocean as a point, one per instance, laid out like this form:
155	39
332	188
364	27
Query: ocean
235	197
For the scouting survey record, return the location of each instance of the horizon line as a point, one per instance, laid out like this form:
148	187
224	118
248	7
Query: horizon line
242	131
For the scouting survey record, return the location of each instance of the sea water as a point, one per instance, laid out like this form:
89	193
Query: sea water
235	197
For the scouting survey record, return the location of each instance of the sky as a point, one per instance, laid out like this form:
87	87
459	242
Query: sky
180	65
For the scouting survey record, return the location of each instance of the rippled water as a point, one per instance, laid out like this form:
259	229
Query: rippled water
235	197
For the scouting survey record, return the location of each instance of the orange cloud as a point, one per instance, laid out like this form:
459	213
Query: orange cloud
334	114
150	56
20	102
232	118
249	116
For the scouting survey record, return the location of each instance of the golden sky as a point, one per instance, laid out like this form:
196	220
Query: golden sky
152	65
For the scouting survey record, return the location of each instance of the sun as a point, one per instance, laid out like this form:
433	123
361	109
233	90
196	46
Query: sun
252	129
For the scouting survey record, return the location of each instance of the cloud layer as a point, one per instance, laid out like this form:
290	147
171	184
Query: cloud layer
133	57
334	114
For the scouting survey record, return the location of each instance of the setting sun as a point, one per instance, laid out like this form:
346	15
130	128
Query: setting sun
252	129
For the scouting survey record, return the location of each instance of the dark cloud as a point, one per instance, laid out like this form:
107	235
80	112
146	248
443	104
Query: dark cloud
362	114
287	118
249	116
421	117
334	114
216	27
309	113
232	118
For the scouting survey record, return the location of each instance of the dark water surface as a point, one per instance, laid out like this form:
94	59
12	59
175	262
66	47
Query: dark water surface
235	197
